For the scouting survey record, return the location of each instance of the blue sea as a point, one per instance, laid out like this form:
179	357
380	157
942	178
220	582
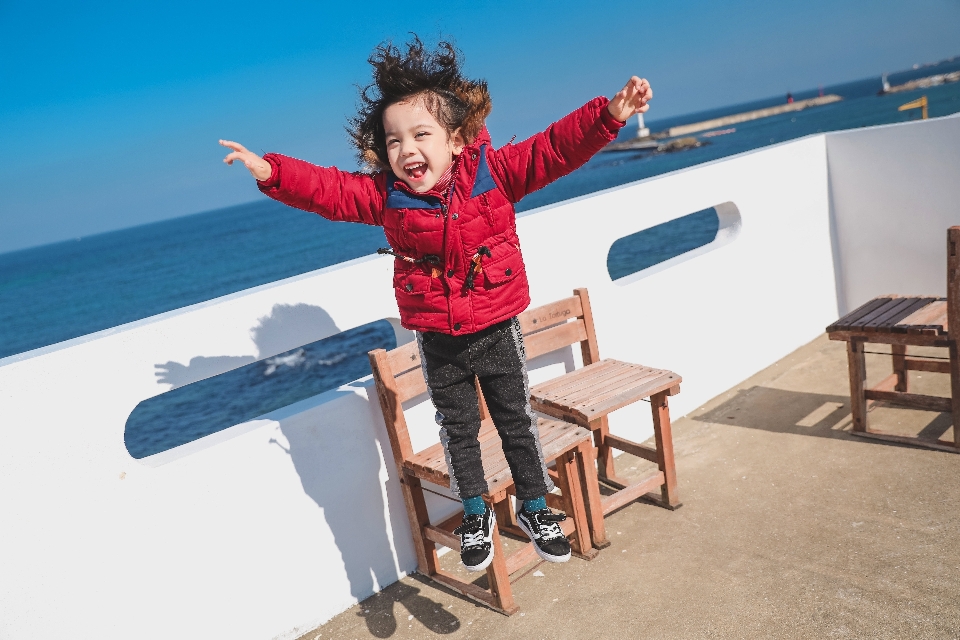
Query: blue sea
61	291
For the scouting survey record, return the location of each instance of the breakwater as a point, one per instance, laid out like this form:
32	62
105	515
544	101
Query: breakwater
923	83
756	114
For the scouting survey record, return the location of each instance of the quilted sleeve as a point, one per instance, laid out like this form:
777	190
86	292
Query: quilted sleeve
334	194
565	146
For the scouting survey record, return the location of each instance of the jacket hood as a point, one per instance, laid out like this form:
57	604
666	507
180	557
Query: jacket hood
482	138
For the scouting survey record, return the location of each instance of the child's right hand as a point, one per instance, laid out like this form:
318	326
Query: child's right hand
259	168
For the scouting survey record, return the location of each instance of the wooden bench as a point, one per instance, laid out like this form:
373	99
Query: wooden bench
902	321
399	377
586	396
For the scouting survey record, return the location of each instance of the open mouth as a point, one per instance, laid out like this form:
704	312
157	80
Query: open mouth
416	171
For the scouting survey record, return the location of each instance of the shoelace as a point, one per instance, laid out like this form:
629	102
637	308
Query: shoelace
548	524
471	533
474	539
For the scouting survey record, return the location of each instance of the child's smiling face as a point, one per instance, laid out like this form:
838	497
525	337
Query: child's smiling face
419	148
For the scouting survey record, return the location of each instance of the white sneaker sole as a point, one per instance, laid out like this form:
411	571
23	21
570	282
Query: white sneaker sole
540	552
486	563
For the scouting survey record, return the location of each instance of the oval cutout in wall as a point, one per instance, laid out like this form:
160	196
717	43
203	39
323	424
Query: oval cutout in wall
656	248
201	408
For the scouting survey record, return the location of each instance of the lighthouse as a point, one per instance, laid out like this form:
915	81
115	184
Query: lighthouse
642	131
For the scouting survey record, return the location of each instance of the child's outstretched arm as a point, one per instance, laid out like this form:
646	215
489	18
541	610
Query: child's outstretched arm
567	144
334	194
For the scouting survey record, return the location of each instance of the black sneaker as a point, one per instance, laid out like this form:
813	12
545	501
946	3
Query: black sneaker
476	540
543	527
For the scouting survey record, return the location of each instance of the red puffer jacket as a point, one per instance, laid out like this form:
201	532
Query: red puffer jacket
436	296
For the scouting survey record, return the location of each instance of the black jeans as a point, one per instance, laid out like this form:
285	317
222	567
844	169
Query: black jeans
495	356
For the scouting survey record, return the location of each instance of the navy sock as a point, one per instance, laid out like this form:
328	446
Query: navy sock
535	505
474	506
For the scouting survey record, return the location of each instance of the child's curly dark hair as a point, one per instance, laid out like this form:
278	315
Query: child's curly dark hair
434	77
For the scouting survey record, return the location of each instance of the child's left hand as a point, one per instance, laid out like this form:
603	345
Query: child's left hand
631	100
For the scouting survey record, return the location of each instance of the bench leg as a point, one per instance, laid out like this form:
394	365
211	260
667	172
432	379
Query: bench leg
499	579
571	485
955	391
899	352
606	470
505	514
857	369
664	438
427	561
591	495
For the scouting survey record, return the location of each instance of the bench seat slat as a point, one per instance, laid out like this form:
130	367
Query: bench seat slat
873	313
901	309
571	378
587	379
601	390
556	437
600	372
625	386
932	318
847	320
883	301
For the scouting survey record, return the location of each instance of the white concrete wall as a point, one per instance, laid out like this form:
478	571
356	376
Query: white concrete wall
895	190
269	528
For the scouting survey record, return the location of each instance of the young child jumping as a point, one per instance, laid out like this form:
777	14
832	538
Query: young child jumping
445	199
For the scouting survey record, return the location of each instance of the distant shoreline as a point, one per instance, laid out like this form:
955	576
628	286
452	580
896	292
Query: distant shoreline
923	83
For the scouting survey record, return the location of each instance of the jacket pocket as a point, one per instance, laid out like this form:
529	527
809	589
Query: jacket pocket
412	283
503	268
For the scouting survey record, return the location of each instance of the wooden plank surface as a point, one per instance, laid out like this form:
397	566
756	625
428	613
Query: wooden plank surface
891	312
410	384
589	386
897	313
606	381
556	437
604	389
931	319
404	357
549	314
589	389
915	315
555	385
857	313
561	335
873	314
915	339
594	410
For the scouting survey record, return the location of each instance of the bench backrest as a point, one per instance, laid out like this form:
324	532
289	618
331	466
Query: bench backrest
399	377
559	324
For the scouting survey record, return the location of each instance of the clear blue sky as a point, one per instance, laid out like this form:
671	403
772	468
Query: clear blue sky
110	111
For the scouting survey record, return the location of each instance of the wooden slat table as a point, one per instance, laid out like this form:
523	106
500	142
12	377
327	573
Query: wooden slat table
399	378
903	321
586	396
